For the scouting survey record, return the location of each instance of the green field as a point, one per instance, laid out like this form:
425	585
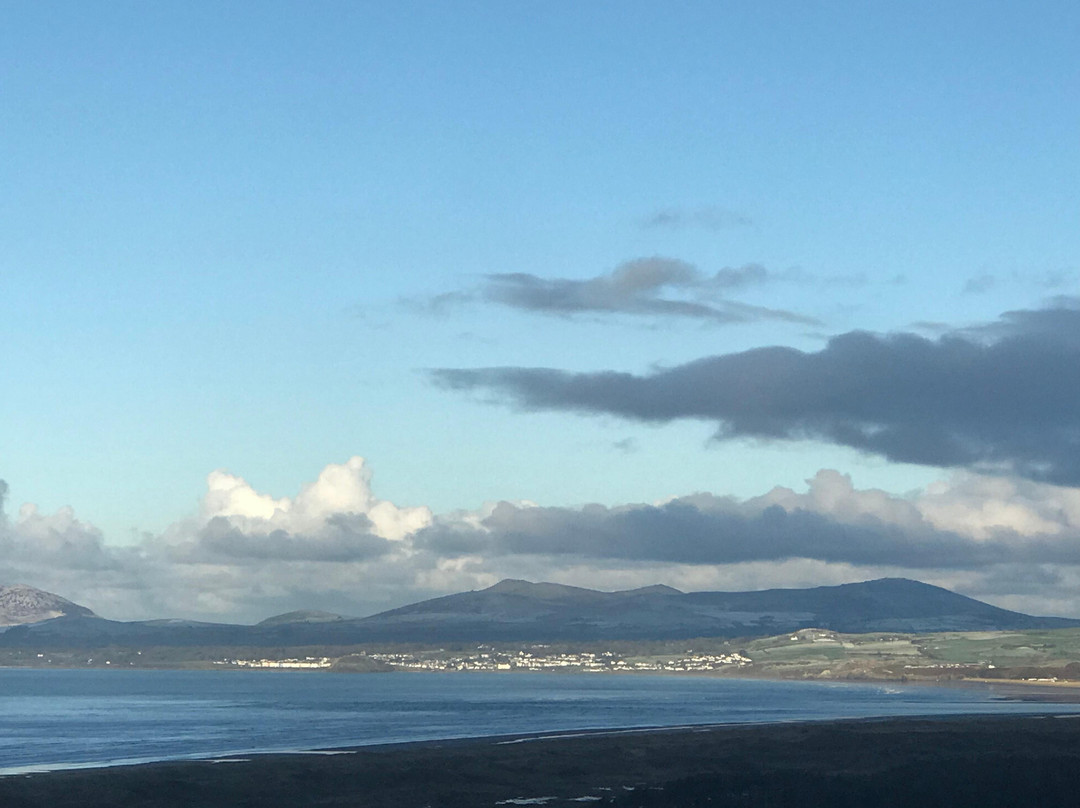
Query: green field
1053	654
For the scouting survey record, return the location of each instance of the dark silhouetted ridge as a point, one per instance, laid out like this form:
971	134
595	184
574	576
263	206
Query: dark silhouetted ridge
521	611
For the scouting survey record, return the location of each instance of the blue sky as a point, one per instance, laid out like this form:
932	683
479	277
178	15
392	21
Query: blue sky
240	236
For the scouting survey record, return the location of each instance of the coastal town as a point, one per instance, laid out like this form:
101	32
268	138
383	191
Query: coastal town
537	658
307	663
487	658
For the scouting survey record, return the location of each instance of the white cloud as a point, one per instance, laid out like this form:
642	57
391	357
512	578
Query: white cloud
341	489
981	506
231	497
832	493
57	538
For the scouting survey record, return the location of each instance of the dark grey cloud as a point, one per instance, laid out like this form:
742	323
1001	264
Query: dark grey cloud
343	537
709	218
709	530
654	287
1058	323
1005	397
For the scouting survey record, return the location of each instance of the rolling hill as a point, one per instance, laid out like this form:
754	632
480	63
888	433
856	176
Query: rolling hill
520	611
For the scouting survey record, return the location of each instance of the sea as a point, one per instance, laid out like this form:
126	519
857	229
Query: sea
54	719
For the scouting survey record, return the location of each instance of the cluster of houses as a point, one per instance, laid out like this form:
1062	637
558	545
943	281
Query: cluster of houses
305	663
488	659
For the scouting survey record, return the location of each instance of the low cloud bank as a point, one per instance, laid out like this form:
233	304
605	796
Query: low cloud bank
970	524
245	555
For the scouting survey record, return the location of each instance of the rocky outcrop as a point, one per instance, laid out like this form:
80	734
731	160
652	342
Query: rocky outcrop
22	604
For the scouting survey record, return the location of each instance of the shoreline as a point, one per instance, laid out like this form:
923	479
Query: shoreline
748	675
1022	695
1017	692
975	759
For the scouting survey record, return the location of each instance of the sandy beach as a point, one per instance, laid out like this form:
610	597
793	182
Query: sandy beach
954	761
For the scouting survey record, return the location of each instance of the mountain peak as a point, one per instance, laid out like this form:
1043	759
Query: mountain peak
655	589
511	586
543	589
549	591
21	604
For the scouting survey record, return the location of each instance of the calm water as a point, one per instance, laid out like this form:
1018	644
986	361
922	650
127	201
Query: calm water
51	718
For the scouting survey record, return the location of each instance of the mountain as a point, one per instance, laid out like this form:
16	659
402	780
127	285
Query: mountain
520	611
20	605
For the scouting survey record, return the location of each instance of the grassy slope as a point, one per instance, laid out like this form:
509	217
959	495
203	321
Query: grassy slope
986	654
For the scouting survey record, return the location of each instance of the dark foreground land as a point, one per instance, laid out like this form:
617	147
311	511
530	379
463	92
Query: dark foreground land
967	761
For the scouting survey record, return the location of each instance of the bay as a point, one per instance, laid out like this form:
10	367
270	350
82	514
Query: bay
64	718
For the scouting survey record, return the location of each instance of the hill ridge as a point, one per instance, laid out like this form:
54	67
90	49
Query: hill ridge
521	611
